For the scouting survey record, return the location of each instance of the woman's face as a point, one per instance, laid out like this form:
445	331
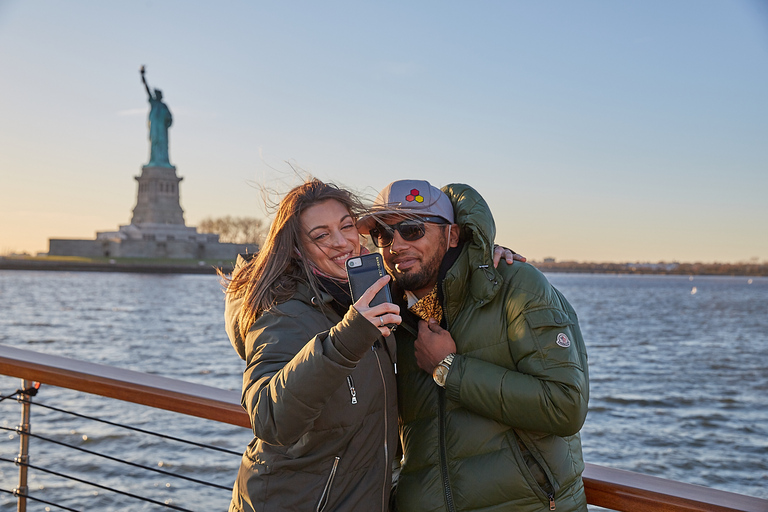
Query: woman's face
330	237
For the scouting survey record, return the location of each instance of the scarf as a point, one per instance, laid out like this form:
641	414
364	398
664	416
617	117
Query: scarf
426	307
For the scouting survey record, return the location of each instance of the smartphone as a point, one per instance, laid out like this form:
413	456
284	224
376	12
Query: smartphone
362	272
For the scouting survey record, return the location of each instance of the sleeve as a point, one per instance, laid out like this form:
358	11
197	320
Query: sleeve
291	372
547	389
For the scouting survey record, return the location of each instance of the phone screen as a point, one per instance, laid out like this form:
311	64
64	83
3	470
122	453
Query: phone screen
362	272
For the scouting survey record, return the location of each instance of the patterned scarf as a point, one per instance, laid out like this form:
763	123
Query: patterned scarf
428	307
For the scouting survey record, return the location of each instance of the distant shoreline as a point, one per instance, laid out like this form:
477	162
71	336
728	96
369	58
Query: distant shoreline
700	269
170	266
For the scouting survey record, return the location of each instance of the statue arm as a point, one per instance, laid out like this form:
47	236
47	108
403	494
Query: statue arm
144	81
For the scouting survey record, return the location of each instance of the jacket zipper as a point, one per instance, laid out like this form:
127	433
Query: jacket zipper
551	501
441	426
327	489
384	490
443	451
352	391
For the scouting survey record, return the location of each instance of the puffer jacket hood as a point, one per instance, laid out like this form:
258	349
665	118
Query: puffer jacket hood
478	231
233	304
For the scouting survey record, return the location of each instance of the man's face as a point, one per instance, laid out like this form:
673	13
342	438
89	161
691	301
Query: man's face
415	265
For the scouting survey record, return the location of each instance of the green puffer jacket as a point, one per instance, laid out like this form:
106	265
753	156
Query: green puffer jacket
504	433
320	392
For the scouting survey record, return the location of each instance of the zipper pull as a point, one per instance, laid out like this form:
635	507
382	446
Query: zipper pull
551	502
352	391
395	365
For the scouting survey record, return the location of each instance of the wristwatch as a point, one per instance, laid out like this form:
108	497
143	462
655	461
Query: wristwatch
440	373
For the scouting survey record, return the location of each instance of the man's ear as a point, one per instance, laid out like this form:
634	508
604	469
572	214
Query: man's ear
453	236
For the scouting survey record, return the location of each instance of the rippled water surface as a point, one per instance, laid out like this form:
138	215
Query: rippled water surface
678	367
678	376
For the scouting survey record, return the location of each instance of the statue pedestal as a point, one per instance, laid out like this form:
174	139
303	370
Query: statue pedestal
157	201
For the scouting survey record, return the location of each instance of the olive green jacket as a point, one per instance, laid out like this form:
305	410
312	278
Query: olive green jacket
320	392
504	433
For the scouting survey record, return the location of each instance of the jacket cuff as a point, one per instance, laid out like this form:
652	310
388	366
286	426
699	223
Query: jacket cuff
453	381
354	335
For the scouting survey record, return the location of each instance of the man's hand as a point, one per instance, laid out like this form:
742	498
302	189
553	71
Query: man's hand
432	345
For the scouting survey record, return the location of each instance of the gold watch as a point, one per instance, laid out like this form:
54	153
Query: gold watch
440	373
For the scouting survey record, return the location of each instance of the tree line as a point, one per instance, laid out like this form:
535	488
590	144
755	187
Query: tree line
234	230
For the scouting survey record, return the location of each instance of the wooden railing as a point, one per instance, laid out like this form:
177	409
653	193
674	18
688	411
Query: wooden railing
606	487
127	385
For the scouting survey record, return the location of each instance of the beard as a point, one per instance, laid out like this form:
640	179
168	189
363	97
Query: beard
426	274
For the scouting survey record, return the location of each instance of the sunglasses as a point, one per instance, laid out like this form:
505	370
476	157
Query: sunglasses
410	230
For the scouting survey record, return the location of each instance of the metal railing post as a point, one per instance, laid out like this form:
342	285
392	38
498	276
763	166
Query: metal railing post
22	460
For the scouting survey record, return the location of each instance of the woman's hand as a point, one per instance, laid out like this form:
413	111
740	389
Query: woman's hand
510	256
382	315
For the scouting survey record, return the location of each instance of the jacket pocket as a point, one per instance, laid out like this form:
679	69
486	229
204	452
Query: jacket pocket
555	338
538	473
328	485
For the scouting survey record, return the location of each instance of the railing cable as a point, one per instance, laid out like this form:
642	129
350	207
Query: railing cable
118	491
38	499
136	429
31	391
115	459
6	397
19	394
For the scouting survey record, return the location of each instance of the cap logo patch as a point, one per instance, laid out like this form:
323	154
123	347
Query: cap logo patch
414	196
563	340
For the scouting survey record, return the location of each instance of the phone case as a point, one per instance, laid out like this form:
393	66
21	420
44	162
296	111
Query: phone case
362	272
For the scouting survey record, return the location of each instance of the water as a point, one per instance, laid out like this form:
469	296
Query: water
679	386
171	325
678	376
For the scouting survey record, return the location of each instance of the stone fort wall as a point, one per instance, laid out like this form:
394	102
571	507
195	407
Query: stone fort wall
180	249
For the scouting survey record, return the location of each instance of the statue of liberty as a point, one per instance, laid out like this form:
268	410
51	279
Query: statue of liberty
159	121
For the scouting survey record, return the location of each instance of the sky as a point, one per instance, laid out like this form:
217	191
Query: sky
632	131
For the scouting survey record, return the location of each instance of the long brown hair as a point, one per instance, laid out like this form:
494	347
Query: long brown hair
271	277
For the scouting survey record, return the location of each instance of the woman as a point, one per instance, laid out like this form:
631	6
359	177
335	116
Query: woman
319	385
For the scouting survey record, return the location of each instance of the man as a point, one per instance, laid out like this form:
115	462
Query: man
492	367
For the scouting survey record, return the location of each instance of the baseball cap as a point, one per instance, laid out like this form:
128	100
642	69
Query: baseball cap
415	197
